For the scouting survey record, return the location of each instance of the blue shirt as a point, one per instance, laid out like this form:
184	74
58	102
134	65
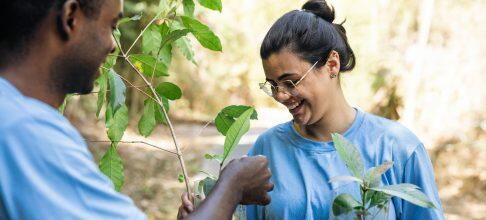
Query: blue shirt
46	170
302	169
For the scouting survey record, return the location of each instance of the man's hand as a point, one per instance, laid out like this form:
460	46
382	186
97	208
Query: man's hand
186	207
251	176
243	181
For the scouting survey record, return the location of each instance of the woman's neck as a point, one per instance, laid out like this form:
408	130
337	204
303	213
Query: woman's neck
337	119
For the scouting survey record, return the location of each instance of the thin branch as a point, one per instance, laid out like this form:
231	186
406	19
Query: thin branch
135	142
113	55
137	88
171	127
159	102
204	127
143	31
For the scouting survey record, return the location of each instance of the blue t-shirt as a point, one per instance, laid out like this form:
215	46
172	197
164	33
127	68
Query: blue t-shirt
46	170
302	169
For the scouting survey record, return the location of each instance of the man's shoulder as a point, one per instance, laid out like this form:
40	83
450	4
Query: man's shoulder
29	120
15	110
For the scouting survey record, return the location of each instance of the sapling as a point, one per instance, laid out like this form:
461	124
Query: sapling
232	122
374	198
166	31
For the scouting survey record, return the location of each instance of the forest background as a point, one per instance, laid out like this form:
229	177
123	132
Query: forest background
418	62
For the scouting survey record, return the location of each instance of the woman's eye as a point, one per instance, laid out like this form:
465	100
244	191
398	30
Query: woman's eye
289	83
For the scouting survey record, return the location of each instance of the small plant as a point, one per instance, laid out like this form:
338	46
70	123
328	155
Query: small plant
149	56
373	196
232	122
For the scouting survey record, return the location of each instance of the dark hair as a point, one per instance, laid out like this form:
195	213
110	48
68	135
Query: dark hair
20	20
311	34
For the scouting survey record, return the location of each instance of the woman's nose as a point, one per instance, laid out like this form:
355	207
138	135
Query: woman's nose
281	96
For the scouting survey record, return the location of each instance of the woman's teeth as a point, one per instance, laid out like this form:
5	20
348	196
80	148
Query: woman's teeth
294	105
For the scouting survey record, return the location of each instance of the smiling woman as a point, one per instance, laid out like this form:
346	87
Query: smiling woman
303	54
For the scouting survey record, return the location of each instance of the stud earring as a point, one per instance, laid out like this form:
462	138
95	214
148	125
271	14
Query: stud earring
333	76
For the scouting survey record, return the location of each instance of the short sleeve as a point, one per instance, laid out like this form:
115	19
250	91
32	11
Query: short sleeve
47	172
419	171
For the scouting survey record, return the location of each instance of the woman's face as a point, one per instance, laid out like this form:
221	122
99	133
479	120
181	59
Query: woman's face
312	97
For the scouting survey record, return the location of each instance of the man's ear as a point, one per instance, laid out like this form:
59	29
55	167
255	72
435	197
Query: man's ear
68	19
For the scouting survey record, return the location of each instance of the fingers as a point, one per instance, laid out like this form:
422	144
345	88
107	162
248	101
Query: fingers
182	214
186	203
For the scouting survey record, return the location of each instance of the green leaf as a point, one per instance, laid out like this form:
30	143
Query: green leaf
173	36
223	122
64	103
102	82
350	154
111	165
236	110
151	39
216	157
343	204
180	178
128	19
345	179
407	192
184	46
235	132
108	114
147	122
207	185
117	90
159	114
376	198
169	90
225	117
118	124
203	34
373	176
188	7
148	64
212	4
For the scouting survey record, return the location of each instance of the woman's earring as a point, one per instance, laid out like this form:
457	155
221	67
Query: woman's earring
333	76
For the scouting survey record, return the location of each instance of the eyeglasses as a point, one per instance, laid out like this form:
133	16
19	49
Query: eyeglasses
286	86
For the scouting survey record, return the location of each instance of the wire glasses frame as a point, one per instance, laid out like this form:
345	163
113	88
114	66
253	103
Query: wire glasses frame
287	86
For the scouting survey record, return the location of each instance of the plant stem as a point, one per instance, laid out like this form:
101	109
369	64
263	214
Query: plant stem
172	133
135	142
363	202
159	102
141	33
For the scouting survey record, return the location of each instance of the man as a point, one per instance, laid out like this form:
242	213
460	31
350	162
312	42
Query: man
49	48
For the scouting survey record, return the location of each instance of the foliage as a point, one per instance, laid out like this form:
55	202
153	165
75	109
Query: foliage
236	124
372	194
165	31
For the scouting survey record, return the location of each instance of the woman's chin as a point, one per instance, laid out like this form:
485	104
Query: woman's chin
301	120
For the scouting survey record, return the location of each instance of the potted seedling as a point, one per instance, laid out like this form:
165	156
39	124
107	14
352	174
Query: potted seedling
374	199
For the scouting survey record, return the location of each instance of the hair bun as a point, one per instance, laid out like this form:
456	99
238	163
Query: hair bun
320	8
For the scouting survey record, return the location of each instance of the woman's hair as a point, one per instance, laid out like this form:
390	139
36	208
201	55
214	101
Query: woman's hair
310	34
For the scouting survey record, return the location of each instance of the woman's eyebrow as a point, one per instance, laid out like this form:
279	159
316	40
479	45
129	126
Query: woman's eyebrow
283	76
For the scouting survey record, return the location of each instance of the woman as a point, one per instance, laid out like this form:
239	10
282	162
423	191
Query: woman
303	55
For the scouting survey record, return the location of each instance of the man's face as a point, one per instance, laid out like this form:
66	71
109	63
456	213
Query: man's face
75	70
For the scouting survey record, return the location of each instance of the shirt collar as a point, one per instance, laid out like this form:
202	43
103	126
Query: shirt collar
6	88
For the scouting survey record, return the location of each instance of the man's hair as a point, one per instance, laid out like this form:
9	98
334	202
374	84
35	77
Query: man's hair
20	20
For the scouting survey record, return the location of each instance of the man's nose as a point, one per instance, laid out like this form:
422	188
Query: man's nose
113	44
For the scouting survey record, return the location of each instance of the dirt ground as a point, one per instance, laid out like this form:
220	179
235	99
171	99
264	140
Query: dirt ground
151	174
